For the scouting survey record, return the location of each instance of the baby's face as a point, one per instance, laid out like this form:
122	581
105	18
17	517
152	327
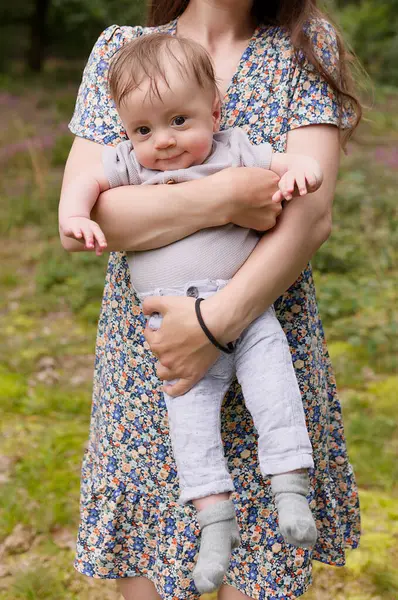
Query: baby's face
174	131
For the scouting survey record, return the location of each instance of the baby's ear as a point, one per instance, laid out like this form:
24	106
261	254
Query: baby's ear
216	113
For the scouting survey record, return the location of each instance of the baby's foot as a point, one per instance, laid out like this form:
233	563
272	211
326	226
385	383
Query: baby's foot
296	522
219	536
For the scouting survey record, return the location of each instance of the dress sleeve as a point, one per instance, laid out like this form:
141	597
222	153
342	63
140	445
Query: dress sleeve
312	100
95	117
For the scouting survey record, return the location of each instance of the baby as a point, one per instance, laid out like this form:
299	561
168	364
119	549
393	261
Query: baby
166	94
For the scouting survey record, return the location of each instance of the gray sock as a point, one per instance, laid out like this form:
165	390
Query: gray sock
296	522
219	536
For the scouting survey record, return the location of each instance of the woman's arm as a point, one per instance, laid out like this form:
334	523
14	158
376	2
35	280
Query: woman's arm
273	266
282	253
146	217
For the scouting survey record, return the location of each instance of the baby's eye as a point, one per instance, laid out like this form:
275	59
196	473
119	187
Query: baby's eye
179	121
143	130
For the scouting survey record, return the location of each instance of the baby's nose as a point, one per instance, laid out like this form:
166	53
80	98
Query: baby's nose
164	141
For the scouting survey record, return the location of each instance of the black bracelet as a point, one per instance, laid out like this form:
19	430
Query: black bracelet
229	348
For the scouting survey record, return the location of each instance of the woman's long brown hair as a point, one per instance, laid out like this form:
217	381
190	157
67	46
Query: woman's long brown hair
293	15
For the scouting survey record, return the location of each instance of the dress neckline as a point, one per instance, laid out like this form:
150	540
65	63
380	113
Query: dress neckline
243	59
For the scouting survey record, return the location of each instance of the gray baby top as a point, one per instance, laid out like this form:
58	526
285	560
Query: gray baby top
212	253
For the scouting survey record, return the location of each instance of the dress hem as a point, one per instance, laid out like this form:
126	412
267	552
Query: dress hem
193	595
306	587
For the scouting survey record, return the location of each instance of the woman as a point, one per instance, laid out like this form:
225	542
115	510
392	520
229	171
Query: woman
132	528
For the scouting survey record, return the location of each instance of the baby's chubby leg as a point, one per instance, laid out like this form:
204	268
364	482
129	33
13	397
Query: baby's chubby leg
272	395
194	421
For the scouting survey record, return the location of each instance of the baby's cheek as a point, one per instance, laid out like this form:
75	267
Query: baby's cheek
202	147
144	156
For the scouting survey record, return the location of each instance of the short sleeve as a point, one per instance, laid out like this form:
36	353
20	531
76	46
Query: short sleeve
313	101
247	154
95	117
120	165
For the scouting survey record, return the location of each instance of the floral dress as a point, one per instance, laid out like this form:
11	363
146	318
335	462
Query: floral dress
131	523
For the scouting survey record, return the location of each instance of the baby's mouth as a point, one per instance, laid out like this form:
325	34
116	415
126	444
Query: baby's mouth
172	157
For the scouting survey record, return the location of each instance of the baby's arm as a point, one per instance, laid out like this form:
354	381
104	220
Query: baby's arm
76	203
295	170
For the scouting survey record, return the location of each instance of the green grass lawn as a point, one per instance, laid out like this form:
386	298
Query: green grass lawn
49	302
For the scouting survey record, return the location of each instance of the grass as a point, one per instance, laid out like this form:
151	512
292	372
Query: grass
49	303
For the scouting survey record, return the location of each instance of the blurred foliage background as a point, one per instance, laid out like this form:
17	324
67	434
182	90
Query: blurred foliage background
36	29
49	301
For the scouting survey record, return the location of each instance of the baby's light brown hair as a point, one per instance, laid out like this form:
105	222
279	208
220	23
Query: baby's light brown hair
146	57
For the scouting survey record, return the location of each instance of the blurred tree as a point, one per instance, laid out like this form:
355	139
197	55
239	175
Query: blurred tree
372	29
14	29
66	28
38	34
74	25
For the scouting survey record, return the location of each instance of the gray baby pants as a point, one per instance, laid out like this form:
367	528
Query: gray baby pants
263	365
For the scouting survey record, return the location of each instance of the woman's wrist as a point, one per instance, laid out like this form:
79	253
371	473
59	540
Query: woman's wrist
228	348
223	317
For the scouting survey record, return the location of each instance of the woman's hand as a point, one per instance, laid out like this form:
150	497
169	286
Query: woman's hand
248	195
183	350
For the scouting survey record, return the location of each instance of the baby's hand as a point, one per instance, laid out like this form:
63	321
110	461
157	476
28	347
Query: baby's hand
83	228
303	176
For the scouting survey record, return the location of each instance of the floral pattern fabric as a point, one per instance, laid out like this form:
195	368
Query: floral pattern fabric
131	523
